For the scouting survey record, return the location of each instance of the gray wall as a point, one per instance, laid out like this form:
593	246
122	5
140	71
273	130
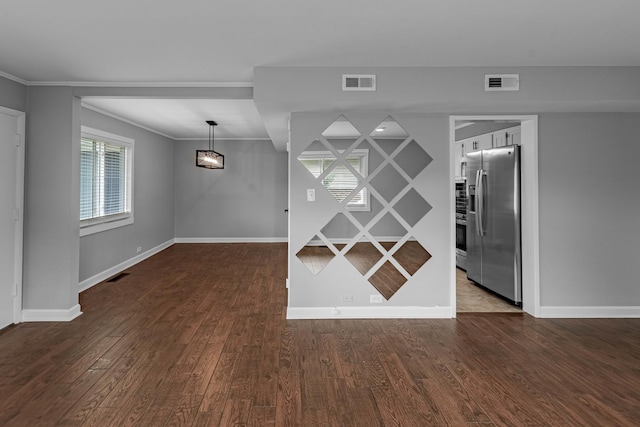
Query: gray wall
589	204
245	200
52	197
153	200
573	270
456	90
13	94
588	217
429	287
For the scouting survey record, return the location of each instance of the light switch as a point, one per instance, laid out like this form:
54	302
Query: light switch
311	195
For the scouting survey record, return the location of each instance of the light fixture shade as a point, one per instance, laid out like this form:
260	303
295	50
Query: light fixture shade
209	159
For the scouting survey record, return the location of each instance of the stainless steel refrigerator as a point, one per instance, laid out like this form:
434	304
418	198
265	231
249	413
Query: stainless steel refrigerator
493	221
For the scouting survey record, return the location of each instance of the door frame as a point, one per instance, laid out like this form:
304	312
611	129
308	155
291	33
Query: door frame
529	207
19	204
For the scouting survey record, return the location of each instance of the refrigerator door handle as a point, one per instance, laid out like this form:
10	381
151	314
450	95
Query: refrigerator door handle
479	202
483	201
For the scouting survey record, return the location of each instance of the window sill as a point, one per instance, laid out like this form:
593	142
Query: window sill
96	226
359	208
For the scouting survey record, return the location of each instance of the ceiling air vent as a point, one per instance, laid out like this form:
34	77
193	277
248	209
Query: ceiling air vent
501	82
359	82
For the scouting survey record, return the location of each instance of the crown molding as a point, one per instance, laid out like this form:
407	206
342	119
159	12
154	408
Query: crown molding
14	78
223	139
141	84
123	84
122	119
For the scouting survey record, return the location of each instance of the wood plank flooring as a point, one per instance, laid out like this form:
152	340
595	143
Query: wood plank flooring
197	336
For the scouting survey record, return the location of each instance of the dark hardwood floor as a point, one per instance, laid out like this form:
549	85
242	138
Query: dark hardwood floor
197	336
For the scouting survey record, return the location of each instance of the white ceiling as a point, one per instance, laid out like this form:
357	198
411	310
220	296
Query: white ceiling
185	118
202	41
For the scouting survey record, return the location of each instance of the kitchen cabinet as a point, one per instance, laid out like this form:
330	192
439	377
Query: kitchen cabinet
459	153
480	142
514	136
505	137
500	138
464	146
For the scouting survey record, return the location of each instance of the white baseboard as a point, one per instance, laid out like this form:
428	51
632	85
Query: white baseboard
231	240
590	312
318	242
51	315
100	277
413	312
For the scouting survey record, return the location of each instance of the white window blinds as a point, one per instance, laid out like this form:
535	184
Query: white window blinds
106	181
103	179
340	181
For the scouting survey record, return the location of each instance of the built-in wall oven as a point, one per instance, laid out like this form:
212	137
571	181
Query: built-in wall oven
461	224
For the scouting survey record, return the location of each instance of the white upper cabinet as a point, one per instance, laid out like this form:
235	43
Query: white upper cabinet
513	136
505	137
500	138
480	142
459	153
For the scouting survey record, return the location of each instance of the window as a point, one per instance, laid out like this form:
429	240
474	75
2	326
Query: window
340	181
106	177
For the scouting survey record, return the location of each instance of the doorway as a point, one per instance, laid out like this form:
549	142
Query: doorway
11	205
529	203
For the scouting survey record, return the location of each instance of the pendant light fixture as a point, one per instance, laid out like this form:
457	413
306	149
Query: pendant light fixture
208	158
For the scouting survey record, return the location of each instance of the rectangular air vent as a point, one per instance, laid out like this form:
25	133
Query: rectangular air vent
359	82
501	82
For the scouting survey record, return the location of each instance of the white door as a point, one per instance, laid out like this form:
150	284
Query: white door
11	188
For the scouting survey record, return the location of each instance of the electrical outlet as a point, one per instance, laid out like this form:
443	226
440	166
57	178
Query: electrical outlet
346	298
139	249
375	299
